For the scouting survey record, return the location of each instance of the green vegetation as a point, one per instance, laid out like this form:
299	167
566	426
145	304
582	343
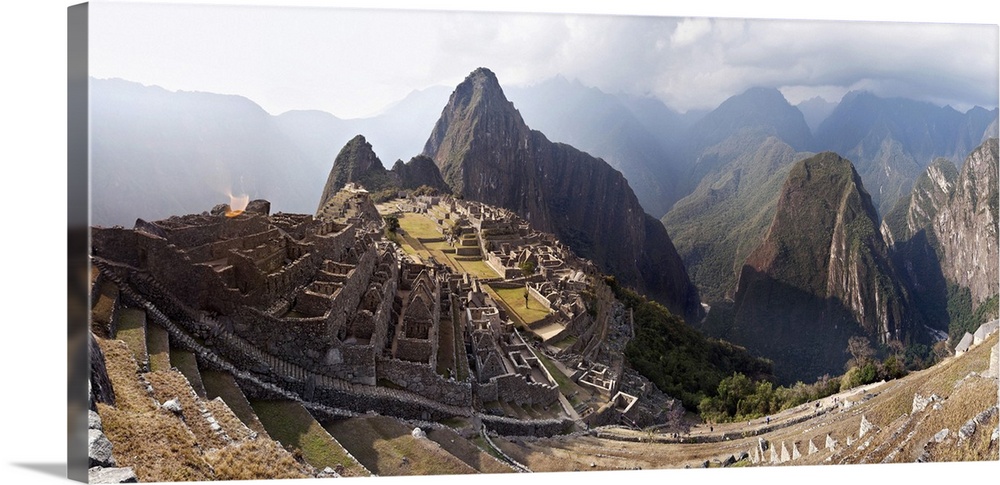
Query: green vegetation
385	446
513	299
740	398
961	317
679	360
294	427
717	226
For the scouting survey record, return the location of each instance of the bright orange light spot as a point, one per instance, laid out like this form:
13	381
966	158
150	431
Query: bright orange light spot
237	204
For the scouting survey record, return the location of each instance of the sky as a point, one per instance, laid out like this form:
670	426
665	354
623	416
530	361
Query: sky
355	62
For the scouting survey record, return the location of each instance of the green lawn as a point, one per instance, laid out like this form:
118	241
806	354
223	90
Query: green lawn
513	299
417	226
132	329
158	346
293	426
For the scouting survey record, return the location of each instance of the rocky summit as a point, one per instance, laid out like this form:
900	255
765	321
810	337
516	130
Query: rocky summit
821	275
486	152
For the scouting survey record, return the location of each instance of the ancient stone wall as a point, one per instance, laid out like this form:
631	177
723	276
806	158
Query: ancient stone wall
413	350
525	427
423	380
515	389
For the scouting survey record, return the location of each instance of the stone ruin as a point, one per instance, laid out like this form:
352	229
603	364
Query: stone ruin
321	309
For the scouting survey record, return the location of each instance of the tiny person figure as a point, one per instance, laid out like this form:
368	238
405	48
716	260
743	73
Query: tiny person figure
768	420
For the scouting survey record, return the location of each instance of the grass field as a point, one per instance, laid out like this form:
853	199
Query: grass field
293	426
158	346
131	329
513	299
186	362
222	384
386	447
419	226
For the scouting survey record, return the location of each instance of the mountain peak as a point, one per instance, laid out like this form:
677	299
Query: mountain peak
487	153
821	274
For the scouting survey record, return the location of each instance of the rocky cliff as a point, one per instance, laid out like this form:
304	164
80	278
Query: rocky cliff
486	152
966	227
944	236
822	274
358	163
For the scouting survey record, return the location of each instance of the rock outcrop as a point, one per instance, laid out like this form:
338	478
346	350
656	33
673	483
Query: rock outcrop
821	275
944	234
486	152
966	227
358	163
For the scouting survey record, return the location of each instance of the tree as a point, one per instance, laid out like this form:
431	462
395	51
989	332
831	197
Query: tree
527	268
861	351
391	223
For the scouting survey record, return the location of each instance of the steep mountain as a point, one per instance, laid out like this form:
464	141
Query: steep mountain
715	227
740	154
358	163
943	236
967	226
486	152
155	153
607	126
815	110
821	275
755	112
892	140
417	172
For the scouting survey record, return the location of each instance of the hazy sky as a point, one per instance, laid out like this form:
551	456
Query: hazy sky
353	63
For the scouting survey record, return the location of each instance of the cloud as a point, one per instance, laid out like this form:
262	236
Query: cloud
354	62
690	31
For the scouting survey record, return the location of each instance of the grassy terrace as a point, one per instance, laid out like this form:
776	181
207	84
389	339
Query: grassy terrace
222	384
294	427
132	330
386	447
513	300
419	226
158	346
186	362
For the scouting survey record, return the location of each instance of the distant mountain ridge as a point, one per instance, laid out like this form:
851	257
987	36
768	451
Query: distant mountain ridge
892	140
486	152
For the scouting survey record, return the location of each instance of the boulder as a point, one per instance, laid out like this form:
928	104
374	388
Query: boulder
99	449
259	206
112	475
172	405
94	421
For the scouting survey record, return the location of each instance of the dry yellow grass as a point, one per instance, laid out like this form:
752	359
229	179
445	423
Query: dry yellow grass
171	384
130	394
156	444
231	424
259	459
